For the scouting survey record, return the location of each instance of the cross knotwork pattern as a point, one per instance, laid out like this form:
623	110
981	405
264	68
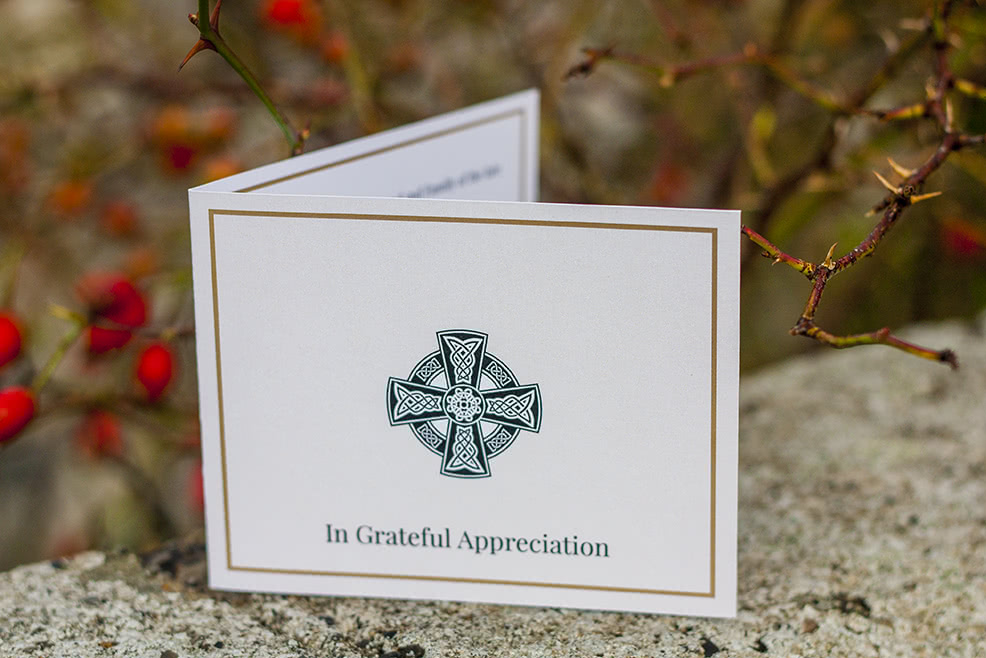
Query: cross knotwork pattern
415	402
513	406
464	404
462	356
464	452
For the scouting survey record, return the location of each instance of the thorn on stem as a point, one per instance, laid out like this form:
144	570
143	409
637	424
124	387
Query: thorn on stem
902	171
199	46
905	194
887	184
214	18
923	197
828	263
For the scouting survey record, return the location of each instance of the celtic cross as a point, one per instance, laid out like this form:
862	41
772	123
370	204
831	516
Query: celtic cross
464	404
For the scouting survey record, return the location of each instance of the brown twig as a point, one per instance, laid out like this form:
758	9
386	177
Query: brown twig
937	106
901	197
671	74
770	250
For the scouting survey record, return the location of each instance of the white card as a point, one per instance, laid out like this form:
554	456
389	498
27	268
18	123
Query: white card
473	397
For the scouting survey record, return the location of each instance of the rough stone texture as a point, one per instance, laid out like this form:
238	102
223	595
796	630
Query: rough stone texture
862	533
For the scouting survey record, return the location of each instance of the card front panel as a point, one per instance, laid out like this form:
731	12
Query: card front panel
612	325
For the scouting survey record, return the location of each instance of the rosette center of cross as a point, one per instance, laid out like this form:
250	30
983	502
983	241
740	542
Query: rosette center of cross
464	404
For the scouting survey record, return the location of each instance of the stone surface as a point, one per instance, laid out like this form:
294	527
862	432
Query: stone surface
862	533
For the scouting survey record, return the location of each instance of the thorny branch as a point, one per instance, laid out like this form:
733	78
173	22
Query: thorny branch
776	193
937	107
210	39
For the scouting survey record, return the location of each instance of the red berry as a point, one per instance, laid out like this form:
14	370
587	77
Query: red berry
10	338
285	12
114	297
100	340
17	408
111	297
300	18
171	132
180	156
155	369
99	435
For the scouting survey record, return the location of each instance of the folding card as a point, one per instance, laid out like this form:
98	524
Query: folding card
416	382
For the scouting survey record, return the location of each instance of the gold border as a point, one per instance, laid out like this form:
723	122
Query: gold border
714	234
712	425
219	382
521	112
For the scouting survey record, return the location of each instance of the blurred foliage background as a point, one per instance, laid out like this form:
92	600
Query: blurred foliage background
100	138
